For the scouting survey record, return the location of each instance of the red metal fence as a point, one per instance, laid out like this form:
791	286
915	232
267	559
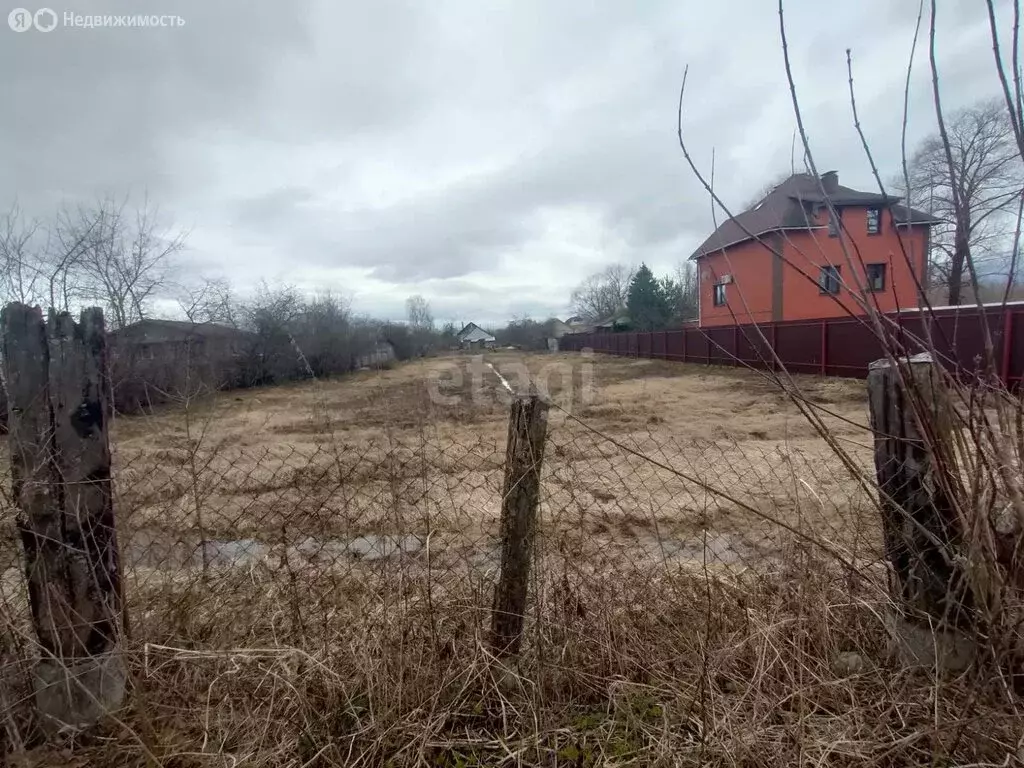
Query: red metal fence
834	347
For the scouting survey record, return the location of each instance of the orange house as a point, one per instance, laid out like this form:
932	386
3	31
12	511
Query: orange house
788	259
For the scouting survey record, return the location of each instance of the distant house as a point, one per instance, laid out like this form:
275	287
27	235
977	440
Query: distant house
379	356
558	328
472	336
619	321
790	258
154	361
577	324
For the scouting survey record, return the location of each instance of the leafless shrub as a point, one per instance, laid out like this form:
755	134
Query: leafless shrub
603	294
976	196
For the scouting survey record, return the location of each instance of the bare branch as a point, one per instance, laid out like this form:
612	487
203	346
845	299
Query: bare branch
604	293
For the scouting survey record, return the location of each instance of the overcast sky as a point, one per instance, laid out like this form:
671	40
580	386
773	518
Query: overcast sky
488	155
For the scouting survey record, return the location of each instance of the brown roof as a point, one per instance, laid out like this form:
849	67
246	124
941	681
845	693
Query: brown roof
791	205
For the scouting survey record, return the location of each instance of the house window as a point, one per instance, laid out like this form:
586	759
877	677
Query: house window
719	294
835	222
874	221
876	277
828	280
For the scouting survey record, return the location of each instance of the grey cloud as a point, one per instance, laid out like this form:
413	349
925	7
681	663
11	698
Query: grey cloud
637	183
287	132
94	109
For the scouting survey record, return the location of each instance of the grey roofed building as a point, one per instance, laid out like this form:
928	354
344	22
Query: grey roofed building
159	360
382	353
577	324
791	204
615	321
559	328
473	334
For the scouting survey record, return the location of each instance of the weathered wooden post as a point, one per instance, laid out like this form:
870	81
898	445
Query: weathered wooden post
527	432
911	417
57	388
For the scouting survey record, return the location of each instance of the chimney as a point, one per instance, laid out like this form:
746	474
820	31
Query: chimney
830	181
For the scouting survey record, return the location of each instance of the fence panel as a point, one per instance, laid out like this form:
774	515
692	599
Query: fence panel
697	346
645	345
799	347
754	347
837	347
722	346
851	347
674	346
1013	354
658	341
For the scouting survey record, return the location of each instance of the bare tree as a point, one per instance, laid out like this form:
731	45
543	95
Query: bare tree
272	309
604	293
115	257
21	270
417	310
682	292
972	183
61	258
324	333
271	315
211	301
37	259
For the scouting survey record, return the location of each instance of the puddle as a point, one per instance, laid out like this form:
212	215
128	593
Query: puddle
156	549
237	552
721	548
159	549
367	547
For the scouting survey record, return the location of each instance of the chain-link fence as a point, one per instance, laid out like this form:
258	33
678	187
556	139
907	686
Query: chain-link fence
326	590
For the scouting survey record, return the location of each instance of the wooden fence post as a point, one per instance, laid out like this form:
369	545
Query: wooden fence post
58	415
527	432
921	530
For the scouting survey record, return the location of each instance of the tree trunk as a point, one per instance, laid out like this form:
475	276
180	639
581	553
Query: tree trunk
961	253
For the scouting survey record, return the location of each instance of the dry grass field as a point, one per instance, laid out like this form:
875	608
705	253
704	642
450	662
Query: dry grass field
265	455
309	571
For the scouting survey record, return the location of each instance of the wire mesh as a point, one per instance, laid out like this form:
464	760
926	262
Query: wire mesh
407	512
324	556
